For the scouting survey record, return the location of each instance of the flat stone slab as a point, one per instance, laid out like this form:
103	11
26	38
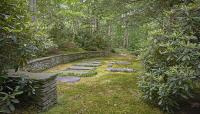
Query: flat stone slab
33	76
75	71
81	68
94	62
120	62
110	65
69	79
87	65
120	70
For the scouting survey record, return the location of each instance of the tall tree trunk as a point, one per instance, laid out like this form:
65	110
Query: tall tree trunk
127	38
110	35
74	30
96	24
33	8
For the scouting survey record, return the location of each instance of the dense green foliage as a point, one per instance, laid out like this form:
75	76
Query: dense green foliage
14	91
16	46
172	57
14	42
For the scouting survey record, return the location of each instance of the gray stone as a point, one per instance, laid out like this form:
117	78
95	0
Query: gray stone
94	62
48	89
69	79
120	70
87	64
81	68
75	72
110	65
46	93
44	63
33	76
120	62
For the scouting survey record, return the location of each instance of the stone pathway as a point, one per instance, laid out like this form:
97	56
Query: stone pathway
111	69
74	72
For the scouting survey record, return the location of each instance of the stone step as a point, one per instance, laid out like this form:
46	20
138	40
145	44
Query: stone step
120	70
79	72
94	62
81	68
87	65
69	79
120	62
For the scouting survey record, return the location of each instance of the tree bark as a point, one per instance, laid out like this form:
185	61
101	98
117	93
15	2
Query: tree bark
33	8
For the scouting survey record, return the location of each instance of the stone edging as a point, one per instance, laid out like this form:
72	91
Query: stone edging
41	64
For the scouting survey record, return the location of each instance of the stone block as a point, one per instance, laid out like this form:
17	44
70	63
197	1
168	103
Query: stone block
120	70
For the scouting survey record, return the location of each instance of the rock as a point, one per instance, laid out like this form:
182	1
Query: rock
76	72
195	105
120	70
81	68
94	62
120	62
88	65
46	93
110	65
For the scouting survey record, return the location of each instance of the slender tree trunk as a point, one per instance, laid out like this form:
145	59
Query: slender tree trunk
96	24
33	8
110	35
125	42
74	30
127	38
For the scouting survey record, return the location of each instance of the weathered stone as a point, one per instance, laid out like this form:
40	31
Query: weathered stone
33	76
110	65
69	79
81	68
94	62
120	62
46	94
46	106
79	72
120	70
43	99
47	102
42	64
87	64
47	90
47	84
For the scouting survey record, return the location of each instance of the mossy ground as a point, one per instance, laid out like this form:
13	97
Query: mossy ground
105	93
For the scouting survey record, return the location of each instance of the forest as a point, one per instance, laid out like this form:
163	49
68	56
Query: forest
160	39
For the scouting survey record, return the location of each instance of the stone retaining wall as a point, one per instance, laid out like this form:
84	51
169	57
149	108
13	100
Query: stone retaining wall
45	88
42	64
